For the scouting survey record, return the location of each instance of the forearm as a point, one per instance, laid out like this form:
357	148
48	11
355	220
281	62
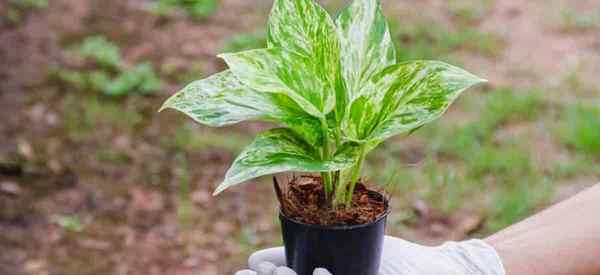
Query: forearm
562	240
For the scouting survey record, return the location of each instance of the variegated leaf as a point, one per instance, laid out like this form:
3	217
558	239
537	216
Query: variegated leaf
366	44
276	70
219	100
222	100
406	96
281	150
304	27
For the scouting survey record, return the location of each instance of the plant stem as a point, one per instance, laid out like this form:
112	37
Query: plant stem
338	137
340	189
325	154
326	178
338	174
355	175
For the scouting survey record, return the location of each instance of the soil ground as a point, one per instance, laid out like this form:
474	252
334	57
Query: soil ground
127	191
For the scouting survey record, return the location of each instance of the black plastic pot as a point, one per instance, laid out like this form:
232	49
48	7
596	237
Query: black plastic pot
343	250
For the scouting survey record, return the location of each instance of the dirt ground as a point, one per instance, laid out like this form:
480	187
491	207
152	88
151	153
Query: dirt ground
128	208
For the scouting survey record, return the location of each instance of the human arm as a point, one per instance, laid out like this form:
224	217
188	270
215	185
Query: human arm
561	240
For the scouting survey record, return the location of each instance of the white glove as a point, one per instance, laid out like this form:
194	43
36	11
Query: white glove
400	257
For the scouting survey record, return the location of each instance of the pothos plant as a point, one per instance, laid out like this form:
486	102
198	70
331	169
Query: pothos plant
333	85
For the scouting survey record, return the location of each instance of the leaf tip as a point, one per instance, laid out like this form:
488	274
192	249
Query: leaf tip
219	190
480	80
223	56
168	103
163	107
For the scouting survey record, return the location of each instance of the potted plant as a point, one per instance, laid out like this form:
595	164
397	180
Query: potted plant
337	91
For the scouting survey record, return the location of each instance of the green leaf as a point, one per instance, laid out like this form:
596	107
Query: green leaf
304	27
288	113
404	97
366	43
281	150
276	70
362	115
222	100
219	100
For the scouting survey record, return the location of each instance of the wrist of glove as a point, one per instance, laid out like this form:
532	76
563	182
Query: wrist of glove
473	257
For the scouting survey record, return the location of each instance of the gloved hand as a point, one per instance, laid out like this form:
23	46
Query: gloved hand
400	257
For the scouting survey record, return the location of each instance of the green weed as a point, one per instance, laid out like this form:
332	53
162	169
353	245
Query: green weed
473	142
468	12
516	200
245	41
436	182
248	238
98	49
70	223
574	166
181	72
188	138
505	161
580	129
504	105
473	145
184	210
429	40
141	79
573	78
195	9
519	186
572	21
445	189
17	9
112	156
84	116
105	71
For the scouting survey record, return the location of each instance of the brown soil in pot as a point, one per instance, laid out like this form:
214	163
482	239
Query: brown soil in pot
304	200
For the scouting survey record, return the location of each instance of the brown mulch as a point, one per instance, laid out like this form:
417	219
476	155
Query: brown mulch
304	200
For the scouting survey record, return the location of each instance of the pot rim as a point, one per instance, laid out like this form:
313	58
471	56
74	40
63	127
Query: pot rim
336	227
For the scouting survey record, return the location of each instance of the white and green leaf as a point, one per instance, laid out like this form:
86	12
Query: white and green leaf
406	96
280	150
366	44
222	100
276	70
219	100
304	27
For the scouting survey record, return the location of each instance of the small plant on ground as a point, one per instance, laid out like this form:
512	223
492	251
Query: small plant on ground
245	41
102	69
430	39
445	191
517	200
470	11
334	86
70	223
89	117
17	9
573	21
581	129
196	9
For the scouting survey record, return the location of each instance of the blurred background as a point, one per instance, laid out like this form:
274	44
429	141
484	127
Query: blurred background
94	181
